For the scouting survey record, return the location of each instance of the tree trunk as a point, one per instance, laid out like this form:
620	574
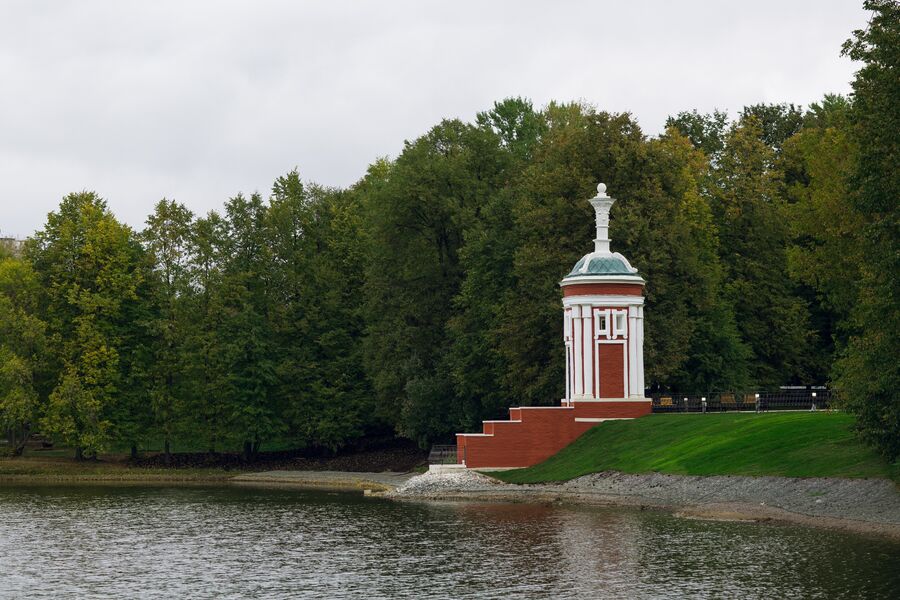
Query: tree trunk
18	447
79	453
248	449
168	452
134	452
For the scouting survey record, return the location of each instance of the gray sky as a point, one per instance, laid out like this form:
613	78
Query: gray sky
199	100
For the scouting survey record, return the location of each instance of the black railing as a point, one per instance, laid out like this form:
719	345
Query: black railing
815	398
442	455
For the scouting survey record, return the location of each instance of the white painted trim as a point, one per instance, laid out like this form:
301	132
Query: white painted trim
640	350
587	319
578	345
601	331
634	279
632	352
540	407
599	301
446	468
476	434
502	421
600	420
613	400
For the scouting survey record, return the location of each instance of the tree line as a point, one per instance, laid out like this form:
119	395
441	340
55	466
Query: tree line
424	298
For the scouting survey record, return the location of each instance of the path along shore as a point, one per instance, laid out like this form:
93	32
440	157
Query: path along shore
870	506
335	480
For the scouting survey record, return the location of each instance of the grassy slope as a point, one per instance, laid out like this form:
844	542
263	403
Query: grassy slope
788	444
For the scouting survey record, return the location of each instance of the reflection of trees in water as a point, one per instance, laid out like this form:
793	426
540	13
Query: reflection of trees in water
132	541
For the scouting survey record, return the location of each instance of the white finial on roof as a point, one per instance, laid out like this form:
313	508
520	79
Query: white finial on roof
602	203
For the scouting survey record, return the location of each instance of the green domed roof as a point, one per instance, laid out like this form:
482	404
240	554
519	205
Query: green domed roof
603	264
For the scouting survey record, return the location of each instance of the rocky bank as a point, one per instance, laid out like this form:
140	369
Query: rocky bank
860	505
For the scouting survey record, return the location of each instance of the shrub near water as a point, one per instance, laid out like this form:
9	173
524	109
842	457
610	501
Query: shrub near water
788	444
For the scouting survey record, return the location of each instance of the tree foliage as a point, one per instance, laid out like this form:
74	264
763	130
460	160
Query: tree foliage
426	297
87	267
867	372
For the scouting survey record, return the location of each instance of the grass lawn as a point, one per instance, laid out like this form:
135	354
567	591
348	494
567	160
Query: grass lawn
794	444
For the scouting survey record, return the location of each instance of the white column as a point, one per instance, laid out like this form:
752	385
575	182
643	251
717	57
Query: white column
632	352
602	203
577	348
568	351
640	351
588	321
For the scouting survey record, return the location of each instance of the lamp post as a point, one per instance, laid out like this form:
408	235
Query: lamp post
703	403
757	401
813	408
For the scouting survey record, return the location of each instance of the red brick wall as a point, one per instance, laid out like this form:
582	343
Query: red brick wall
612	370
612	289
541	433
611	410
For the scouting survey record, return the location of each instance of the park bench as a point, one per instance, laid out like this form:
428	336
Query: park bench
727	401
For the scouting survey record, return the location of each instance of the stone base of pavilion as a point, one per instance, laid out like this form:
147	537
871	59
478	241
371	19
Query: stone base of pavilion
535	433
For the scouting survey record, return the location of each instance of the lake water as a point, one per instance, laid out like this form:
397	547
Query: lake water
229	542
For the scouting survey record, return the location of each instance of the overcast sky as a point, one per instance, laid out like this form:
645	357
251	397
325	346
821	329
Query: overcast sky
197	101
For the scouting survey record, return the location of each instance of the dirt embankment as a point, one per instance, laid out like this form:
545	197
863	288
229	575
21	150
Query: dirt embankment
859	505
391	455
381	456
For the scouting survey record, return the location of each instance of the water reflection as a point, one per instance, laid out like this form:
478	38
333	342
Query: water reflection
92	542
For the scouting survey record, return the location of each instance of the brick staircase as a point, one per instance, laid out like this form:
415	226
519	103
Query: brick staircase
535	433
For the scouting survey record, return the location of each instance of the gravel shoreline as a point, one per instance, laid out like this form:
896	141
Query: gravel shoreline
870	506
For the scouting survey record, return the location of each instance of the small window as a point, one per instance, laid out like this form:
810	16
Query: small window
621	326
602	327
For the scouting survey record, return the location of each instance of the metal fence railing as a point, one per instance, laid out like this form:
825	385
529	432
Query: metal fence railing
442	455
807	398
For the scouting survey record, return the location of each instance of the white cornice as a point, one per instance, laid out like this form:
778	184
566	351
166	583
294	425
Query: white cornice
604	300
632	279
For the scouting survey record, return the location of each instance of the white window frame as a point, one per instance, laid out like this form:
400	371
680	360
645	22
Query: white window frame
601	326
620	324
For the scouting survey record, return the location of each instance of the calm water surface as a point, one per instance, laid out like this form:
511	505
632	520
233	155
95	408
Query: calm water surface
193	542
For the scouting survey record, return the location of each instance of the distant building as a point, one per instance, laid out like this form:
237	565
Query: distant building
603	333
13	245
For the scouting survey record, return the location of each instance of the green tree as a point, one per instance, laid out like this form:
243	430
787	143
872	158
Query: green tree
705	131
693	341
417	215
167	239
516	123
867	374
661	222
823	255
748	208
773	123
315	235
244	332
22	352
87	267
205	366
